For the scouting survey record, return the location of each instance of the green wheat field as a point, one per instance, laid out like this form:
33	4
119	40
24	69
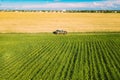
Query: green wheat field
45	56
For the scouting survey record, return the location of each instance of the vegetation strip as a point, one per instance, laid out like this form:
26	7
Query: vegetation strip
75	56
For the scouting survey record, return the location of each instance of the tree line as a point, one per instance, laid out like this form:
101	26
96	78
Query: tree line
65	11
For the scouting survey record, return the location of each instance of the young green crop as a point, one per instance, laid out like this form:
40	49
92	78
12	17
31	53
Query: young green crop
75	56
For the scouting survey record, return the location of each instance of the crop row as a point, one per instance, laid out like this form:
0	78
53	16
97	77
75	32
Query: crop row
69	57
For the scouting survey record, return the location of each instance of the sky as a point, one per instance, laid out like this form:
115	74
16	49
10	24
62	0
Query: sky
61	4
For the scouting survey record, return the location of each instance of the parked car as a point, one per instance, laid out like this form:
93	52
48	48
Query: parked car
60	32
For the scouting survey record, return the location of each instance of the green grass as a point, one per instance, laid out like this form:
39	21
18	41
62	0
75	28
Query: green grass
44	56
